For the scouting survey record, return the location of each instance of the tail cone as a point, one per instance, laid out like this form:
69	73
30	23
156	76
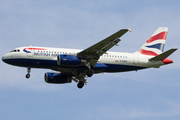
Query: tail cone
167	61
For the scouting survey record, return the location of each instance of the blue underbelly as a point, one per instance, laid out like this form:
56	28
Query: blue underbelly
49	64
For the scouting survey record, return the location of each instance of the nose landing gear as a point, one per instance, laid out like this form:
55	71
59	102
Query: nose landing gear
28	70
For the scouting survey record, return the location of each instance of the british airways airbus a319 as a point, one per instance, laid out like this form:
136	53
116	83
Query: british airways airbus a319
76	65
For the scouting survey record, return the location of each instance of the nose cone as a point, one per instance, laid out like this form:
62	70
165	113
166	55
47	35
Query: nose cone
167	61
6	58
3	58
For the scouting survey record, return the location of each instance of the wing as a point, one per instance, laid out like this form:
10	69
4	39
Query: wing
93	53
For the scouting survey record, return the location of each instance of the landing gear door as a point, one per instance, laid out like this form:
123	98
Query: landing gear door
135	59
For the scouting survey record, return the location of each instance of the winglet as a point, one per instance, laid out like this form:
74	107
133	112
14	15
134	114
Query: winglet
130	29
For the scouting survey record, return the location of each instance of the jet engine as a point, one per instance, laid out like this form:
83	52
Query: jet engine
57	78
70	60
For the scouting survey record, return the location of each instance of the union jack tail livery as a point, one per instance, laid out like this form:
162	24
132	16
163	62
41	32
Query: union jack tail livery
155	44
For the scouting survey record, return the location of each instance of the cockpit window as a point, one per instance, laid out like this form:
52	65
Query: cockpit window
15	50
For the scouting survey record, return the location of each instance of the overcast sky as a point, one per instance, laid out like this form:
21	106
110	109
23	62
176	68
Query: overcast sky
142	95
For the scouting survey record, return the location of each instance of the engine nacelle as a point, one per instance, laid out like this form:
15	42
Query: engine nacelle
70	60
57	78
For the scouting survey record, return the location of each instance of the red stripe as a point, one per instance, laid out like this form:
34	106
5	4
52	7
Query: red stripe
161	35
146	52
35	49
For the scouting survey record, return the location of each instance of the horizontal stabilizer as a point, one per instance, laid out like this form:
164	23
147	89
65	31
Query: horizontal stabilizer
163	55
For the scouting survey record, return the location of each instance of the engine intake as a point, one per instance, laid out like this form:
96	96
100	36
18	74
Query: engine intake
70	60
57	78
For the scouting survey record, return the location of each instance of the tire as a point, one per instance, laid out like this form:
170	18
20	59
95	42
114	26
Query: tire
27	75
90	73
80	84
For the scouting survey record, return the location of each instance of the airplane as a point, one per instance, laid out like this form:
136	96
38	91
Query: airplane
75	65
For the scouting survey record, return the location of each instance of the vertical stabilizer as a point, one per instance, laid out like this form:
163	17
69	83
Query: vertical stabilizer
155	44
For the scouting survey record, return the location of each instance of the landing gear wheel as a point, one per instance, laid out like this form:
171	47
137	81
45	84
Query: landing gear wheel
80	84
90	73
28	70
27	75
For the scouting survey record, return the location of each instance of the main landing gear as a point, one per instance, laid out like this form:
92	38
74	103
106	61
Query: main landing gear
80	84
28	70
90	73
82	80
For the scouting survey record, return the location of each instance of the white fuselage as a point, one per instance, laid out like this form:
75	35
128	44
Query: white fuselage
45	57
